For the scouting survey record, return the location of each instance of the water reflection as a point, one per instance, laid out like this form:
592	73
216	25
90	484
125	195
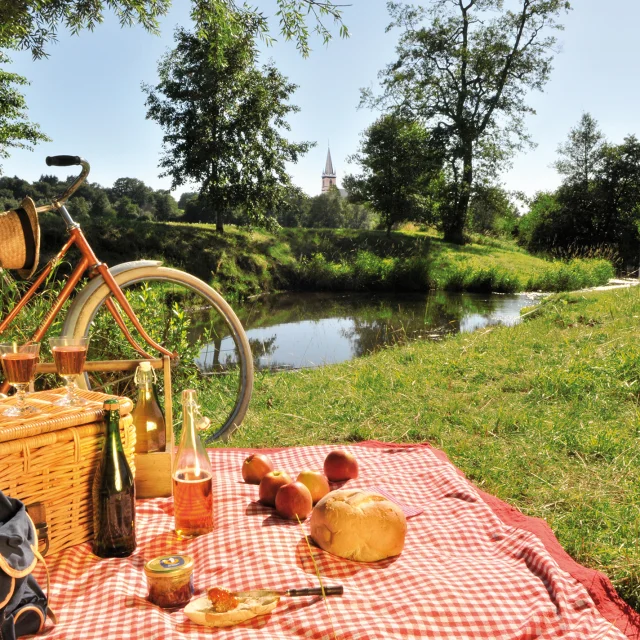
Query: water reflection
294	330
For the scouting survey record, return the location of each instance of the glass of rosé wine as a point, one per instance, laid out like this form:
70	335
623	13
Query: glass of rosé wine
69	354
19	367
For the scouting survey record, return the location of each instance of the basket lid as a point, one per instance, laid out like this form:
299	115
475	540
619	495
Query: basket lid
52	417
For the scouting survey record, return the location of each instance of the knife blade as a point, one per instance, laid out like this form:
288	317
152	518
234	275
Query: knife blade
291	593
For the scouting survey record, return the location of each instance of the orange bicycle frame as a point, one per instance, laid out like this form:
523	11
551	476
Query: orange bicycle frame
90	262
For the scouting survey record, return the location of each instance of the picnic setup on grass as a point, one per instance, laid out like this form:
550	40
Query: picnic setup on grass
110	530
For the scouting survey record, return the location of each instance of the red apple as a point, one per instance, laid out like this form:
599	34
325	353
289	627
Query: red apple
316	482
256	467
270	484
340	465
294	499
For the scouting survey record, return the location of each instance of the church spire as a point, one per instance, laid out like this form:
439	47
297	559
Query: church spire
329	174
328	167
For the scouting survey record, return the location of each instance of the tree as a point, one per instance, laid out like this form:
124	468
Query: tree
223	117
491	210
326	211
605	213
16	132
399	160
582	153
294	208
185	197
165	205
466	75
33	24
136	190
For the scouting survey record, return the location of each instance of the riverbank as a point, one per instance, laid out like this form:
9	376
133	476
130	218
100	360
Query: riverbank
243	263
543	415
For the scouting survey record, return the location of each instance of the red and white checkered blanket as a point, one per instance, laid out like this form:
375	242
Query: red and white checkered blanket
462	574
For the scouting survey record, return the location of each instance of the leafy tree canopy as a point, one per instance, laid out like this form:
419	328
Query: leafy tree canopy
16	131
33	24
464	68
582	154
224	118
399	160
601	214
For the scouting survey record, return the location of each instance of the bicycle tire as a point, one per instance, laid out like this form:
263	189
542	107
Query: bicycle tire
94	305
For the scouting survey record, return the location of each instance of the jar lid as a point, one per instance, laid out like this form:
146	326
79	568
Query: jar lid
169	565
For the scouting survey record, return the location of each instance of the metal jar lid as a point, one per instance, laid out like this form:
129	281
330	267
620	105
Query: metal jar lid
174	565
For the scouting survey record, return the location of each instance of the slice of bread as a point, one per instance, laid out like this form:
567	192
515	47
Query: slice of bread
201	612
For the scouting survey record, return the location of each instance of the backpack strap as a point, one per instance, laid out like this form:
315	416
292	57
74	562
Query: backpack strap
38	555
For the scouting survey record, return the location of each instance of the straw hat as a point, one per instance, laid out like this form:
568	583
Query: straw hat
20	239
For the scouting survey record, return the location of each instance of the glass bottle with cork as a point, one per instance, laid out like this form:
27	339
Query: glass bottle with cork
192	475
114	494
147	416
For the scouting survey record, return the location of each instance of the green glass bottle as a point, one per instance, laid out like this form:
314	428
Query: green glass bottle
114	494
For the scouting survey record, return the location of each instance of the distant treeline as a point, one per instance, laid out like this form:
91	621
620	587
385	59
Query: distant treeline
132	199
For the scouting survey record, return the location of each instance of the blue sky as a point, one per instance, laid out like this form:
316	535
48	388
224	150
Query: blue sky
86	96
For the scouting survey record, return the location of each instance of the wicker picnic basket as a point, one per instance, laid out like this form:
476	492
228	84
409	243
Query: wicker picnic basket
48	461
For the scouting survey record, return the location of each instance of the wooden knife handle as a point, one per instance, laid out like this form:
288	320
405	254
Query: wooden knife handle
317	591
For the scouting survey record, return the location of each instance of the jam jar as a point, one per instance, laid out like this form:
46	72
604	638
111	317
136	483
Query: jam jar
170	580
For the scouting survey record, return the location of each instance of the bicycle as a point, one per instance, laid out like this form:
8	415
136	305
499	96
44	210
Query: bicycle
162	305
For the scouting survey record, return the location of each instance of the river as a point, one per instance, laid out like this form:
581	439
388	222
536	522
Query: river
295	330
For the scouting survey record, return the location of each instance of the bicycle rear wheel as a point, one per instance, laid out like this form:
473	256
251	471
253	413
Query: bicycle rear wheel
184	315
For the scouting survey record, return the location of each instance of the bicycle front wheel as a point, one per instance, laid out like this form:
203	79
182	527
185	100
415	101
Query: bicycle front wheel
186	316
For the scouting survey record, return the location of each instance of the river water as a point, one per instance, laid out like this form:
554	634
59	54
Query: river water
294	330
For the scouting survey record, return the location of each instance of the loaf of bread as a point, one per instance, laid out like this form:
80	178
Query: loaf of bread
358	525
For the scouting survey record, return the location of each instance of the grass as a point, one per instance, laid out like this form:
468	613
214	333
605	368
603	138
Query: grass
543	415
243	263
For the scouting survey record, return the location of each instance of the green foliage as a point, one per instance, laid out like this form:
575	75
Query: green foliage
581	155
128	198
465	74
491	211
598	205
16	132
32	24
223	119
399	160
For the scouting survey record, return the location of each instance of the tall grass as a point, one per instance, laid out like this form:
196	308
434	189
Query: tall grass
368	271
242	263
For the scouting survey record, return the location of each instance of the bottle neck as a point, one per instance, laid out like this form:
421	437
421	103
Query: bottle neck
113	431
145	392
189	421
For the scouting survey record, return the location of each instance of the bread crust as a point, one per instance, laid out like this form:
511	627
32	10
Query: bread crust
358	525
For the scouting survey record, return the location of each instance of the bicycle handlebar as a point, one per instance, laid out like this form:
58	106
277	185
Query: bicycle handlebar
63	161
67	161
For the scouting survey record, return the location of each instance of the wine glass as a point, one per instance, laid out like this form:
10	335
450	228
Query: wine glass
69	354
19	366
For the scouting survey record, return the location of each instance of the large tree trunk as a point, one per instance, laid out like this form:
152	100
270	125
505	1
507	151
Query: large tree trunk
455	225
219	220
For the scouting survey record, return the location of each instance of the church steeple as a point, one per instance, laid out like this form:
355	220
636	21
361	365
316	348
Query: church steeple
329	174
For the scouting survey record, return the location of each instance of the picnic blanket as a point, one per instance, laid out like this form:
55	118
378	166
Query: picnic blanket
464	572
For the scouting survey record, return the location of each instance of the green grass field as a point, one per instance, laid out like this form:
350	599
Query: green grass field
543	415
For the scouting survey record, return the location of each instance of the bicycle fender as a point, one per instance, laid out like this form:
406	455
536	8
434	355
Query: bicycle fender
74	310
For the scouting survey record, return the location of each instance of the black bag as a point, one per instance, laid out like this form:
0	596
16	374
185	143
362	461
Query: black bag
23	604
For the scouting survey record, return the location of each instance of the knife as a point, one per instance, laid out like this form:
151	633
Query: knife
292	593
